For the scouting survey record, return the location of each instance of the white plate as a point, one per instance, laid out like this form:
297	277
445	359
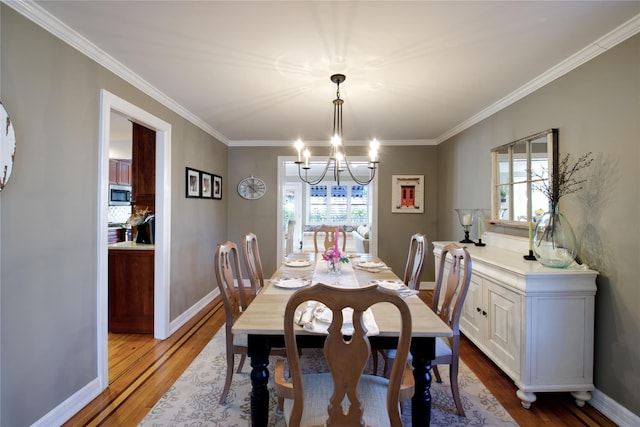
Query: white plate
325	315
298	263
291	283
390	284
371	264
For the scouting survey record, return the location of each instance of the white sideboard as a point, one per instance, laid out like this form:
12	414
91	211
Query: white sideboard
534	322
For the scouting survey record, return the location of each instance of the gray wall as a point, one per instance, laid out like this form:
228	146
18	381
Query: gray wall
49	211
596	108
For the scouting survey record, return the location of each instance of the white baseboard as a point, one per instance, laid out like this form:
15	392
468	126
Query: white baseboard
179	321
67	409
613	410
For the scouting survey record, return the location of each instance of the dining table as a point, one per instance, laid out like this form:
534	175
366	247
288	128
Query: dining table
263	322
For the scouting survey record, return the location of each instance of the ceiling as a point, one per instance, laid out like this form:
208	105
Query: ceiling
257	72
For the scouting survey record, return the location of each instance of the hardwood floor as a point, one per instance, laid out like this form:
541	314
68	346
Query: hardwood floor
142	369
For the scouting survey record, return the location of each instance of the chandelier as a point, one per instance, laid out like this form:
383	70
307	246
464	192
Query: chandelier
337	161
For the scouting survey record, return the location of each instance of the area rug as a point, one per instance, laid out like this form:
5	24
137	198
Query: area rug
192	401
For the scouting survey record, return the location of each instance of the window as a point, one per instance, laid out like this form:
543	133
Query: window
517	167
338	204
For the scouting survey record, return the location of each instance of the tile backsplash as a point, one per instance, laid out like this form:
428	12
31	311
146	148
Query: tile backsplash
119	214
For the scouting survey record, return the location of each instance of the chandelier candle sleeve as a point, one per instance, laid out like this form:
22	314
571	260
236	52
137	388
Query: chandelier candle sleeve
530	235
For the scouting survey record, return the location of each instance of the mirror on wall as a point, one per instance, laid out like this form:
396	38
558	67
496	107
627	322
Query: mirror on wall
516	167
7	147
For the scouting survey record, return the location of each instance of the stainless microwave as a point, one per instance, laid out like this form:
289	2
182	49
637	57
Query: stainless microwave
119	195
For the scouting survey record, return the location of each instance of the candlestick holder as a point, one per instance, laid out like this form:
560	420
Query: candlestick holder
465	216
480	219
530	256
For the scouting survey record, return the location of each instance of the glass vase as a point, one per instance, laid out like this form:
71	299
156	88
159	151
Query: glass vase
334	267
554	242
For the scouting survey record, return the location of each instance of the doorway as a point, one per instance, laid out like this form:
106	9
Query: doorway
290	187
111	103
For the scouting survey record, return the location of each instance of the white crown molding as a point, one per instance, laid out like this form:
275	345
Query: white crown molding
609	40
59	29
263	143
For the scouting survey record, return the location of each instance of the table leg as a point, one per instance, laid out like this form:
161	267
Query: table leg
258	351
422	351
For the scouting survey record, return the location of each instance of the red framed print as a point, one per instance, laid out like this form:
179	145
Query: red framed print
407	194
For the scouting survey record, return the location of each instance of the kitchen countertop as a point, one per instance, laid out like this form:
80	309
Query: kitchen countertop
132	245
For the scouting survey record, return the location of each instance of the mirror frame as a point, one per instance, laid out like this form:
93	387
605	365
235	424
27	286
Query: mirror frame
552	156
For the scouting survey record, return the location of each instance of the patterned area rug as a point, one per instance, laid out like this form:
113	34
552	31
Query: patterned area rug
193	399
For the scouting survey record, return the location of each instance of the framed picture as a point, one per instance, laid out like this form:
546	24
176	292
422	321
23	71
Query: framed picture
193	183
217	187
205	185
407	194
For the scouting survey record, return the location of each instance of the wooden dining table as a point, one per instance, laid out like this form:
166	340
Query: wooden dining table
263	322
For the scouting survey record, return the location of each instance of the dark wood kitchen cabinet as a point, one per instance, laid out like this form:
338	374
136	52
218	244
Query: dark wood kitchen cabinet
120	172
144	167
131	290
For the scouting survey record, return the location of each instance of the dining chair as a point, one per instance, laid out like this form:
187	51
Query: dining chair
415	261
288	239
353	398
235	301
253	264
412	276
233	298
454	281
329	237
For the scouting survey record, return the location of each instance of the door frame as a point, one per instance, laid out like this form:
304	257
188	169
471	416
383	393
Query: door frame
162	259
373	243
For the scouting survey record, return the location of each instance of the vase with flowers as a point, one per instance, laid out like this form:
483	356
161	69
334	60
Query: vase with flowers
334	257
554	241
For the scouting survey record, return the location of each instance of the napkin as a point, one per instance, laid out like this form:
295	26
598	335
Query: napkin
372	269
305	318
396	285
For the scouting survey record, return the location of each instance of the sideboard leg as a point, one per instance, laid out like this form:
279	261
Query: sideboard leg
581	397
526	398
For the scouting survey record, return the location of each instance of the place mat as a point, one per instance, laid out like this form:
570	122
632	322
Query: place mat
396	285
371	264
298	263
291	282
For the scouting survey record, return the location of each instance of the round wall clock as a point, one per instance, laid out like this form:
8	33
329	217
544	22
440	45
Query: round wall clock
252	188
7	146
